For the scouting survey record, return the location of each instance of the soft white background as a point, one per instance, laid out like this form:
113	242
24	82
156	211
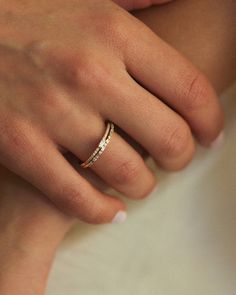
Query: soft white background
181	240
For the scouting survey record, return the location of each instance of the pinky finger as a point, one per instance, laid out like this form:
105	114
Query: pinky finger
31	155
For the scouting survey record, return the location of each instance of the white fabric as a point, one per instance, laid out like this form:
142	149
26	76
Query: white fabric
181	240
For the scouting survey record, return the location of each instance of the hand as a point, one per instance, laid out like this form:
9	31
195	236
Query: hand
66	68
31	230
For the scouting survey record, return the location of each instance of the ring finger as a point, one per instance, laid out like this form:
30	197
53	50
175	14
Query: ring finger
120	165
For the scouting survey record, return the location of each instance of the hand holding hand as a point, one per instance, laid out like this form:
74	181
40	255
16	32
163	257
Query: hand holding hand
66	69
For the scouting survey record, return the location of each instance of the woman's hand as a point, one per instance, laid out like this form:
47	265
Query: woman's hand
69	66
31	230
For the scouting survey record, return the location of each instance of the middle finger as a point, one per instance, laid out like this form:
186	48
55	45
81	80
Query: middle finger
160	130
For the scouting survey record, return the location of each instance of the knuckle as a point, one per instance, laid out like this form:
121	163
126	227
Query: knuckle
19	141
91	73
75	202
116	24
46	99
196	92
14	137
112	25
71	200
176	140
50	103
127	173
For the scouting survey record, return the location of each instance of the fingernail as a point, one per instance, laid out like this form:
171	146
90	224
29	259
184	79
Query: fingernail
120	217
218	142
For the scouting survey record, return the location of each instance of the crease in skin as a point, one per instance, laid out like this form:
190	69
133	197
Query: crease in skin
139	4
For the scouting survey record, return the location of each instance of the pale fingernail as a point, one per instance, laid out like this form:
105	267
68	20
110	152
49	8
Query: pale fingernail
218	142
120	217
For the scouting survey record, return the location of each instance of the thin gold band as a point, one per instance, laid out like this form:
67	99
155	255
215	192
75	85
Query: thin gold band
101	146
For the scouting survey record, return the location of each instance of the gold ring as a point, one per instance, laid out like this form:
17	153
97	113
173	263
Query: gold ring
101	146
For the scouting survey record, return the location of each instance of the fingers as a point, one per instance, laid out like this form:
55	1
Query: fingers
139	4
164	72
162	132
28	153
119	165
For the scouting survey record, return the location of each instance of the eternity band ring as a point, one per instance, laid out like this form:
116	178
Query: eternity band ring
101	146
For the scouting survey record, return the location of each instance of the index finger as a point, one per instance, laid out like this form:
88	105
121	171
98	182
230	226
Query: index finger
166	73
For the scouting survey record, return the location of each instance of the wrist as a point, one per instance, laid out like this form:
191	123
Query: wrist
31	230
23	272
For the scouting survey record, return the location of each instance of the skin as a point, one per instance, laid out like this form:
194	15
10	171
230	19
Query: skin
31	229
74	74
211	42
139	4
24	210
